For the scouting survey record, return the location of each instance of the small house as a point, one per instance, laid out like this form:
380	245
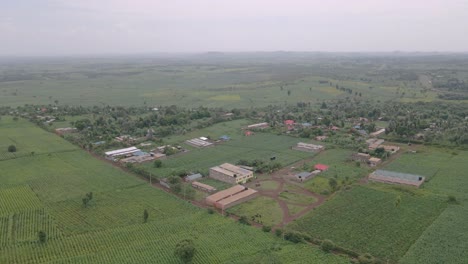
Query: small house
321	167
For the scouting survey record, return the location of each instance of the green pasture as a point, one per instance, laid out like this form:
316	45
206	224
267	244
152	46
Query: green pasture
269	210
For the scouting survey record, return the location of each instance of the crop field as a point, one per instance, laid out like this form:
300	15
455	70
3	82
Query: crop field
259	146
44	193
445	241
28	139
367	220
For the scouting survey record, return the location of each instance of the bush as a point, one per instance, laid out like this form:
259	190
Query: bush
293	236
243	220
12	148
157	163
266	228
452	199
210	211
278	232
327	245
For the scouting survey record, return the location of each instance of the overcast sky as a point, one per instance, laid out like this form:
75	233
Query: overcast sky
58	27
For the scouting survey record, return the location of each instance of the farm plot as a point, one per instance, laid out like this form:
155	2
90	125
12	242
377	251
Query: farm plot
445	241
214	239
28	139
367	220
58	177
18	199
116	208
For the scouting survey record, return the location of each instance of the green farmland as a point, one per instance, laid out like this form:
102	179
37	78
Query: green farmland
367	220
43	192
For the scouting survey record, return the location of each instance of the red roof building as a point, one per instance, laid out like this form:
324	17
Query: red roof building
321	167
248	133
289	123
335	128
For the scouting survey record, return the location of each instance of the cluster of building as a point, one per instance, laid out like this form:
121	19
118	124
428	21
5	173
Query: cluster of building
308	147
305	175
374	143
132	155
366	158
230	197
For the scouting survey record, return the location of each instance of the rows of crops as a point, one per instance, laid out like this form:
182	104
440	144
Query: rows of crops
368	220
214	238
116	208
445	241
17	199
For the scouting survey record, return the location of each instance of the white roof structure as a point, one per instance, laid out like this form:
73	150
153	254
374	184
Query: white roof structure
203	138
121	152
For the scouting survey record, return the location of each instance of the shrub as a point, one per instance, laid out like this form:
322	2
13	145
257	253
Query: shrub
210	211
278	232
157	163
243	220
452	199
266	228
12	148
327	245
293	236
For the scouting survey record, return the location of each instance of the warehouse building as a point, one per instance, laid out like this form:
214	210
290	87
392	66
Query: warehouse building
397	178
203	187
308	147
230	197
121	152
200	142
230	173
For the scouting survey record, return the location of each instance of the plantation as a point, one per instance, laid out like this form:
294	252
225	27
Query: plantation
367	220
44	193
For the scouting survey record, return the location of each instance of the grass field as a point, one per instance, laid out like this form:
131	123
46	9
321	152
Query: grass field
44	192
267	208
259	146
367	220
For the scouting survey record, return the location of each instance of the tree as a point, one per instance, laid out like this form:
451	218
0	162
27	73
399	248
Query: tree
145	216
333	184
323	106
85	201
185	250
327	245
42	236
289	92
157	163
12	148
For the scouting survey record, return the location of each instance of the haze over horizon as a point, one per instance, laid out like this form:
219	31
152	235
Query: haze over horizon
60	27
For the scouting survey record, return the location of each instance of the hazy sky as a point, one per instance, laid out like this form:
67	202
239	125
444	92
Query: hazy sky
55	27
